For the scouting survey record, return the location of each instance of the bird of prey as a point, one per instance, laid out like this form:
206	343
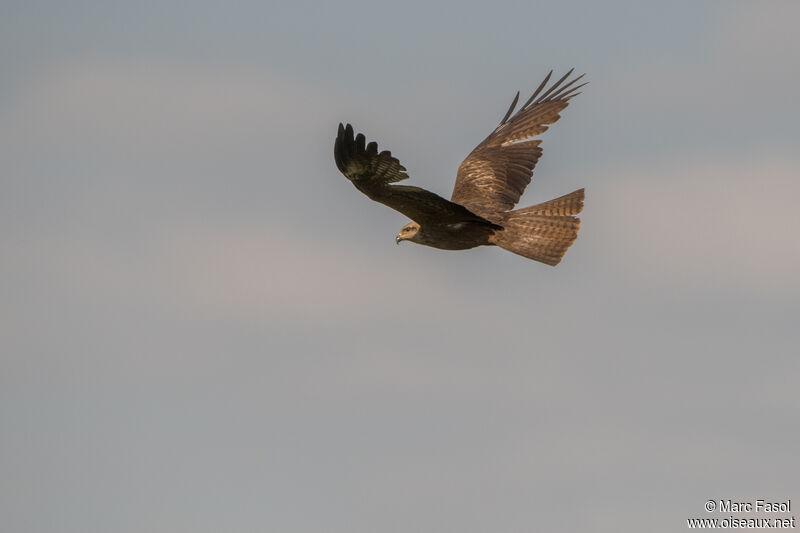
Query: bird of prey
488	185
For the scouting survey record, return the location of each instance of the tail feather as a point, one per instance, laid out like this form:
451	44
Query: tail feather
542	232
569	204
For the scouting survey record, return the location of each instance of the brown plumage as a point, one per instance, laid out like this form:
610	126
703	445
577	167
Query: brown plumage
488	185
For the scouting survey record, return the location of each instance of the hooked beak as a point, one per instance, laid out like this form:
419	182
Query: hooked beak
397	239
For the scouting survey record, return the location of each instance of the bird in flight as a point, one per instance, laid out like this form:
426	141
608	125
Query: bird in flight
488	185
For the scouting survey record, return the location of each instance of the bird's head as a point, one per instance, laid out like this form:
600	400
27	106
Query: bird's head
408	233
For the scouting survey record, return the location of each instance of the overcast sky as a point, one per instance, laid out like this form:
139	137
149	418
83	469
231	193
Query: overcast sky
204	327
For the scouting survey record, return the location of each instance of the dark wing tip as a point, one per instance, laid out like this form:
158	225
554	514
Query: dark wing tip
357	159
510	109
538	90
338	149
361	143
344	148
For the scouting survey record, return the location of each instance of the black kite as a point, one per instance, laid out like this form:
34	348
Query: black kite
488	185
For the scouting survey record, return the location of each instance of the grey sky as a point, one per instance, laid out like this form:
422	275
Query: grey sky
205	327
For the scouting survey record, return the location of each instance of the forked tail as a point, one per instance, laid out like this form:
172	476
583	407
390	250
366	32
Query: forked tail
542	232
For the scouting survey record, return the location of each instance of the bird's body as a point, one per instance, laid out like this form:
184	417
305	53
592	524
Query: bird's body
489	183
453	236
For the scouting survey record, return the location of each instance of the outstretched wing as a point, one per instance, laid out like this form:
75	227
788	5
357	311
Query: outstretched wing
373	173
494	175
